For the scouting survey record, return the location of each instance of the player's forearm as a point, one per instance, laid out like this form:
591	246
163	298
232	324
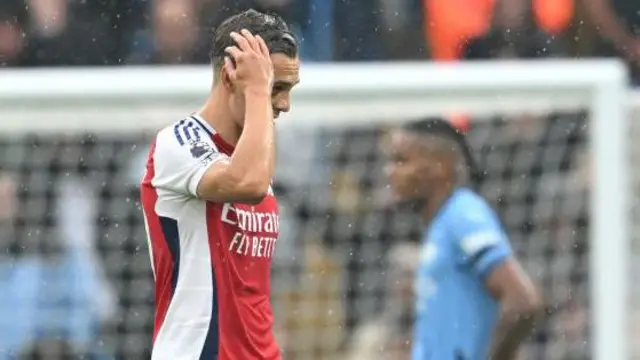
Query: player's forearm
514	326
253	160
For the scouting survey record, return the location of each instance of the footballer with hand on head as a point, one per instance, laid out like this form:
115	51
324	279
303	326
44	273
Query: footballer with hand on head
210	212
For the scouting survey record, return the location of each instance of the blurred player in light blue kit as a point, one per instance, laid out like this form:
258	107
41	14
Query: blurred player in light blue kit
474	302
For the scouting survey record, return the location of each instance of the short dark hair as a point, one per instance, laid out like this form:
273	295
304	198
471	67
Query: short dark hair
435	126
271	27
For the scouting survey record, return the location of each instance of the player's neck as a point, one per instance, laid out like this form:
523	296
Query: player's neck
216	113
436	201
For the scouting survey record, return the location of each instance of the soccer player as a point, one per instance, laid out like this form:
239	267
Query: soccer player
474	302
210	212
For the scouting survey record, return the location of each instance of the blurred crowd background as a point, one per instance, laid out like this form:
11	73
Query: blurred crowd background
74	268
119	32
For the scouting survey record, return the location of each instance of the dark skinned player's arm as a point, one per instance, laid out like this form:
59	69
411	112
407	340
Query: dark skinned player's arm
246	177
520	307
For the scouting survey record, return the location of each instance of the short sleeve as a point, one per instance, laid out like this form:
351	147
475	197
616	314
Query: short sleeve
182	155
479	236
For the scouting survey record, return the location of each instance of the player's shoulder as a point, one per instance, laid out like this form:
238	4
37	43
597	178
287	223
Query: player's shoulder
467	203
465	196
185	137
182	132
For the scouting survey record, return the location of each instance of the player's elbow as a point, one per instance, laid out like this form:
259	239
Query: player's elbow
533	305
223	184
524	308
254	194
251	191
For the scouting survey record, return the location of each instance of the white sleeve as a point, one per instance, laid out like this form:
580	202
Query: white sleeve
182	155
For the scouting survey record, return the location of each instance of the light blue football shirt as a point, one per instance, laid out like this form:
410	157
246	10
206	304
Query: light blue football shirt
456	316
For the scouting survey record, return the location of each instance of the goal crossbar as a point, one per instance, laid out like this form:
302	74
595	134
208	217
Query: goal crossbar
328	94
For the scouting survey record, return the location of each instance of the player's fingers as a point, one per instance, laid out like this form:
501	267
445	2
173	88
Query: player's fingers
264	49
243	43
231	70
250	39
234	52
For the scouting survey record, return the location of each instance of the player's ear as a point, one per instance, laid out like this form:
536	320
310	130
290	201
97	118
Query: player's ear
225	79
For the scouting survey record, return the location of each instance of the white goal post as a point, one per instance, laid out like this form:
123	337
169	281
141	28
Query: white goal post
361	94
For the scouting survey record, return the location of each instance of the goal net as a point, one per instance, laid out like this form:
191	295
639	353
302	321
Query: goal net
552	138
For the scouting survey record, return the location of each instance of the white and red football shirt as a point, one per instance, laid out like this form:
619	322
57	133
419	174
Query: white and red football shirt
211	261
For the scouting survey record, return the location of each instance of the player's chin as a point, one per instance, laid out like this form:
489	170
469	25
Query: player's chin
400	195
410	203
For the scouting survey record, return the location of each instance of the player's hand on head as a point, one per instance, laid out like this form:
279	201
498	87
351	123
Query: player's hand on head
253	69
